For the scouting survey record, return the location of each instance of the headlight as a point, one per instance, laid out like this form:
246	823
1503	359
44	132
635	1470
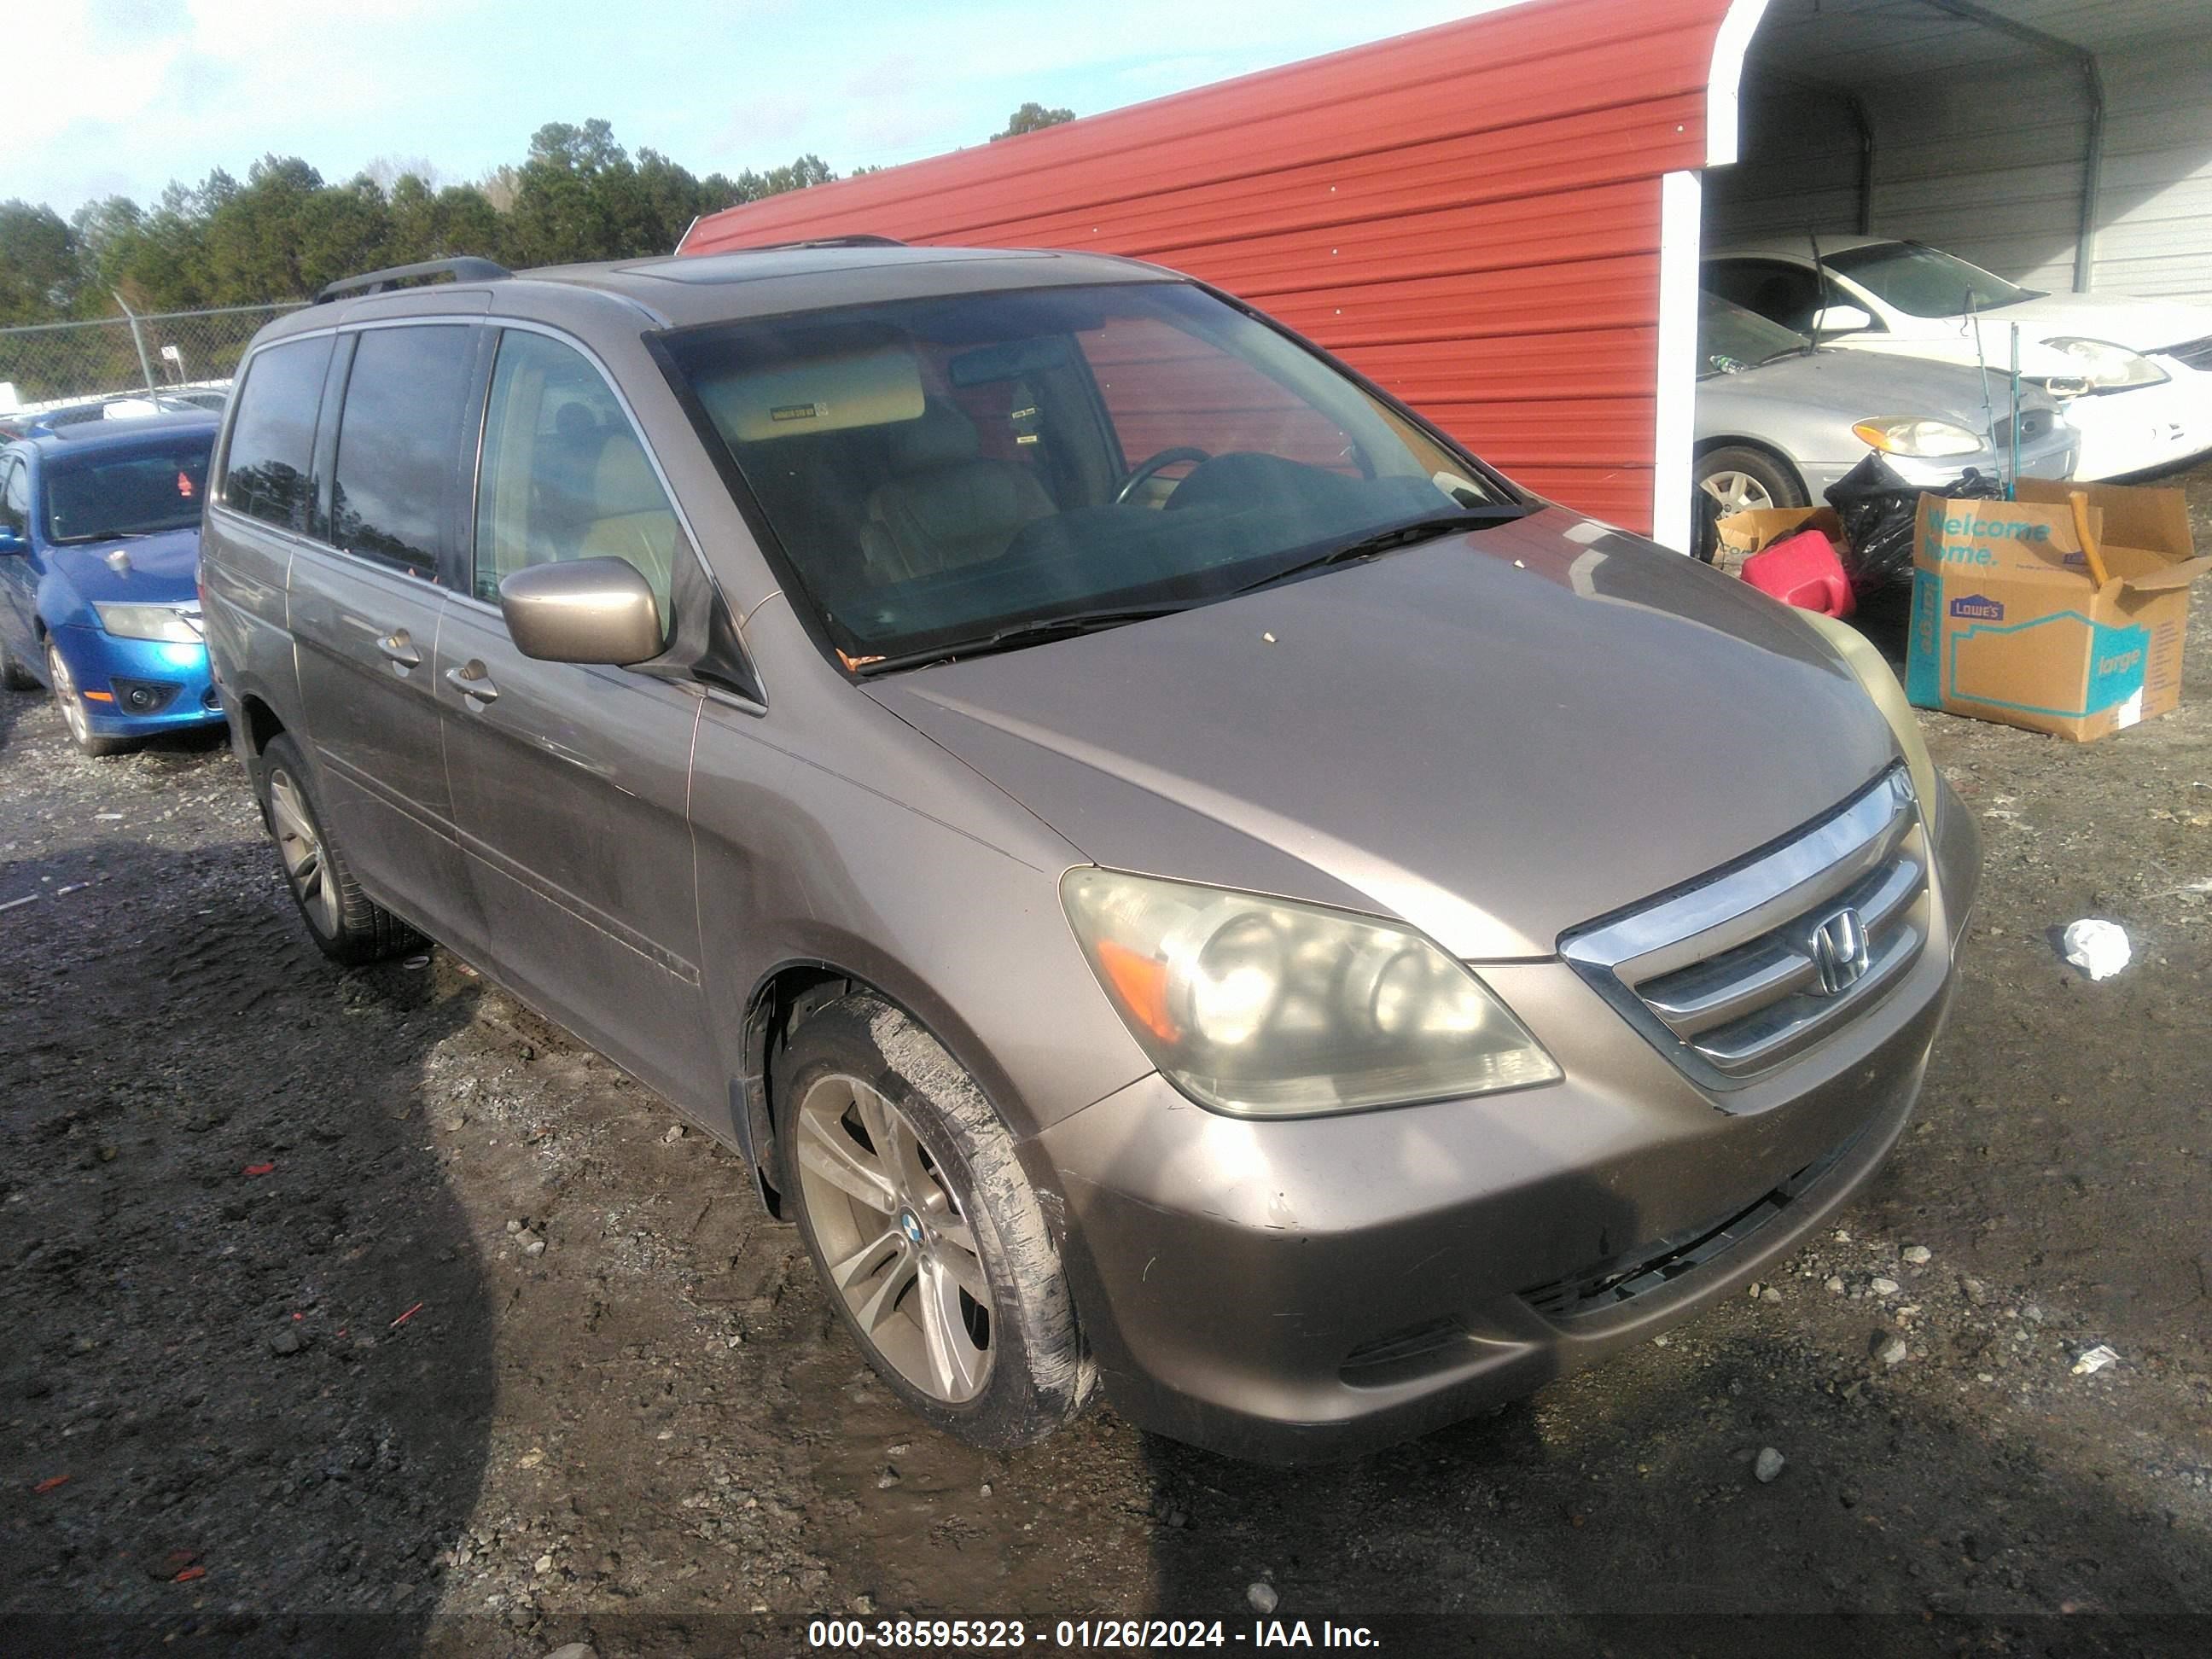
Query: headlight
2106	367
1873	673
1918	434
149	622
1270	1008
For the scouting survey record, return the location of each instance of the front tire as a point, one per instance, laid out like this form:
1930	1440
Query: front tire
925	1230
348	924
71	704
1740	479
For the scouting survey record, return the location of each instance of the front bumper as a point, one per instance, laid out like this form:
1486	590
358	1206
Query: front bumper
1299	1290
170	682
2152	426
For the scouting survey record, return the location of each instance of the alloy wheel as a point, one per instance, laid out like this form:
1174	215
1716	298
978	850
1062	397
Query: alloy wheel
65	694
898	1249
301	848
1738	492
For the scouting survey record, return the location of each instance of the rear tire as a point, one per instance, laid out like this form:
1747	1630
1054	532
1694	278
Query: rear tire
348	924
926	1231
12	675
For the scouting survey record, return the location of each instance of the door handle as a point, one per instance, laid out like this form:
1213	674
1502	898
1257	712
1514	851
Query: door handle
472	679
397	645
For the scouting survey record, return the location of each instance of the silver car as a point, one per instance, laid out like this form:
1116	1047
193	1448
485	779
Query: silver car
1175	877
1778	422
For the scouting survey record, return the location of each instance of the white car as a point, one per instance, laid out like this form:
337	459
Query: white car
2135	375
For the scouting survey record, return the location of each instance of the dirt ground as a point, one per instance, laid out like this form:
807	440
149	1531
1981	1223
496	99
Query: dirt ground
361	1311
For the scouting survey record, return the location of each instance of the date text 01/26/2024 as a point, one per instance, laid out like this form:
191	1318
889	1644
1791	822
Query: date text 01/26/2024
971	1635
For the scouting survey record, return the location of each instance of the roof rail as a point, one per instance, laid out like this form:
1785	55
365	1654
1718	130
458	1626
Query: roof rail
822	242
466	269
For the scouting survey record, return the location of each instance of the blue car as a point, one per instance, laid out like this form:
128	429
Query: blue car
99	532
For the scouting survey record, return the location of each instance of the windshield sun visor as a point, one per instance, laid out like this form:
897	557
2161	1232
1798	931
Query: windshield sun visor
881	386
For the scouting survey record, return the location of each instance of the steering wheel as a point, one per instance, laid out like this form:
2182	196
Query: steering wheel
1145	469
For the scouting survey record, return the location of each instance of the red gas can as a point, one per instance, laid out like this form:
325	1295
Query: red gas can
1802	570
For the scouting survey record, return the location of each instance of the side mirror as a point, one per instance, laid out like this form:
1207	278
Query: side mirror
596	610
11	540
1840	319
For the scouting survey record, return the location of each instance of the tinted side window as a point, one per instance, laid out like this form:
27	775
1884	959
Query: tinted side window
393	492
565	476
15	496
1780	292
270	466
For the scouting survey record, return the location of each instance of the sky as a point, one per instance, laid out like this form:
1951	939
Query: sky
121	96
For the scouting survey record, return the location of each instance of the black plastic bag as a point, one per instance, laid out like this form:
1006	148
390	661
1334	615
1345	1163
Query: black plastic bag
1876	505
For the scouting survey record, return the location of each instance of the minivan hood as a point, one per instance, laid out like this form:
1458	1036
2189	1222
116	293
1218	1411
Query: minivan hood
164	568
1494	736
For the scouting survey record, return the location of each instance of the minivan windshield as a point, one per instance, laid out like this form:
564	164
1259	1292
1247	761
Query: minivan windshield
1921	281
129	492
959	473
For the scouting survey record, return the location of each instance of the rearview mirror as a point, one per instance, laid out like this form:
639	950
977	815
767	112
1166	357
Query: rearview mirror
11	540
1840	319
596	610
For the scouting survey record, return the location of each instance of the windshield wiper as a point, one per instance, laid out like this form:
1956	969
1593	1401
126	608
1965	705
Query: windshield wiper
1391	538
1014	638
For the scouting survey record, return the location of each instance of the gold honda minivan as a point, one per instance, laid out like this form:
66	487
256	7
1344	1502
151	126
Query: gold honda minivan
1179	880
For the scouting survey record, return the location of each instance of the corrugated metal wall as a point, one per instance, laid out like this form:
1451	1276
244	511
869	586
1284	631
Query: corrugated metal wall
1470	214
1981	137
2156	191
1800	169
1993	178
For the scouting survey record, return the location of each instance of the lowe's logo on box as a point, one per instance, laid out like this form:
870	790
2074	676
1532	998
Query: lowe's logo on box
1977	607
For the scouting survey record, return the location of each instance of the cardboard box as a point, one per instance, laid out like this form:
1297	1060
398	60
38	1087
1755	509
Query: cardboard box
2010	625
1740	535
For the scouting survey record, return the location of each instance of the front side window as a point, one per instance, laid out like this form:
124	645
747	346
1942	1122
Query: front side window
137	492
945	471
564	475
1784	293
1920	282
14	497
269	467
393	483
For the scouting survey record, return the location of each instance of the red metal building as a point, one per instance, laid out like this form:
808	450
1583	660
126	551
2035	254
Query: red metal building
1497	218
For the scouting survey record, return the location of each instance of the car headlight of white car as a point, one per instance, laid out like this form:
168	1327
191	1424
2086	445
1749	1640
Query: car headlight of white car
2105	367
1918	436
169	622
1266	1007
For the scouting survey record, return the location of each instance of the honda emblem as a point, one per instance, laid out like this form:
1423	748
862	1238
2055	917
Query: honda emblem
1840	951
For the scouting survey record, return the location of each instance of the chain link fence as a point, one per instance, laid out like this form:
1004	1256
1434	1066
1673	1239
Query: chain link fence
50	364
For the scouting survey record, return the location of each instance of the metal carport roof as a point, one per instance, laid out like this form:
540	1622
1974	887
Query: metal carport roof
1500	218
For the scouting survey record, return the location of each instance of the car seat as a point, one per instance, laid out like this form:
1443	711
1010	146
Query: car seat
635	520
945	505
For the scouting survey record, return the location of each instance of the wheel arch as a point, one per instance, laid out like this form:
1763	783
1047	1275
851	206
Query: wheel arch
262	724
1779	456
788	990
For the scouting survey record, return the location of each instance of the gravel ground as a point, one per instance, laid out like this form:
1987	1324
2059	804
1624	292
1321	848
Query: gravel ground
362	1311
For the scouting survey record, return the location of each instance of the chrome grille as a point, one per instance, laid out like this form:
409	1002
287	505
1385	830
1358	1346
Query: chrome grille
2197	354
1741	971
2034	425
